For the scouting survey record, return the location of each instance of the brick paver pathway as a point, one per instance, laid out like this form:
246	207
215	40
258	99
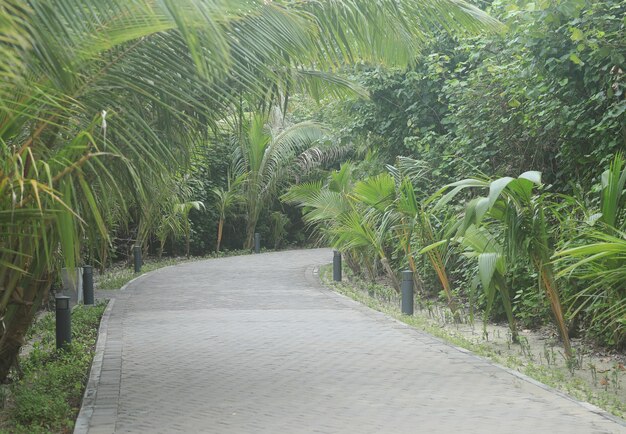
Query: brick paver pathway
254	344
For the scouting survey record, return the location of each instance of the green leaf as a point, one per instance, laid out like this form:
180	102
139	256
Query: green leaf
514	103
433	246
532	175
496	188
577	34
487	265
574	58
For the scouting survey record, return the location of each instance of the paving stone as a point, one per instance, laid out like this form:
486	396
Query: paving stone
253	344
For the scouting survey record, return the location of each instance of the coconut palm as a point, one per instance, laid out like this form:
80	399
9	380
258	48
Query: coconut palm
521	214
226	200
415	232
597	257
601	264
326	206
278	224
481	245
97	97
364	218
264	157
354	217
371	222
176	222
613	194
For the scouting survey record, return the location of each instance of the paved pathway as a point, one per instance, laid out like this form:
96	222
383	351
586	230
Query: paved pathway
253	344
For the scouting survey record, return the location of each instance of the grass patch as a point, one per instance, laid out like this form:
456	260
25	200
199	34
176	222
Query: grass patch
440	324
48	395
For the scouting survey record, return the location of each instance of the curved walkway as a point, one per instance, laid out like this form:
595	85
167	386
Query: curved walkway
254	344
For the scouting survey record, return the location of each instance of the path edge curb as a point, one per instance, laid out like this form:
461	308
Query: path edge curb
89	397
87	407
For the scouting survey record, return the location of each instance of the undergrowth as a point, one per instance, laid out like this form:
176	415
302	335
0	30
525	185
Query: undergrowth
47	396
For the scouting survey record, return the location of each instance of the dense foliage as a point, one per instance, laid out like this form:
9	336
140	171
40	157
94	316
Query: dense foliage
546	95
543	101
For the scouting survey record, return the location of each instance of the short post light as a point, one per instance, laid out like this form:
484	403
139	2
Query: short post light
336	265
257	242
137	258
407	292
63	321
88	297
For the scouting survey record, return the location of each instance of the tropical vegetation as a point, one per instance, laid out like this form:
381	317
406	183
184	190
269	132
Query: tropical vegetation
110	109
493	168
485	153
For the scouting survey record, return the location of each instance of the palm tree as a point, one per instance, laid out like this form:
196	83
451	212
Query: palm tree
596	255
481	245
264	155
353	217
225	201
98	97
601	264
522	216
364	218
613	194
175	222
278	222
416	228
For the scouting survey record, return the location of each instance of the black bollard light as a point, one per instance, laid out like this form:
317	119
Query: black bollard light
88	298
137	258
336	266
63	321
257	242
407	292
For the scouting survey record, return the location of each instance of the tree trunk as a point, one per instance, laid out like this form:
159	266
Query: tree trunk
220	227
547	279
161	247
391	274
250	235
437	262
19	316
353	264
417	282
508	308
104	250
